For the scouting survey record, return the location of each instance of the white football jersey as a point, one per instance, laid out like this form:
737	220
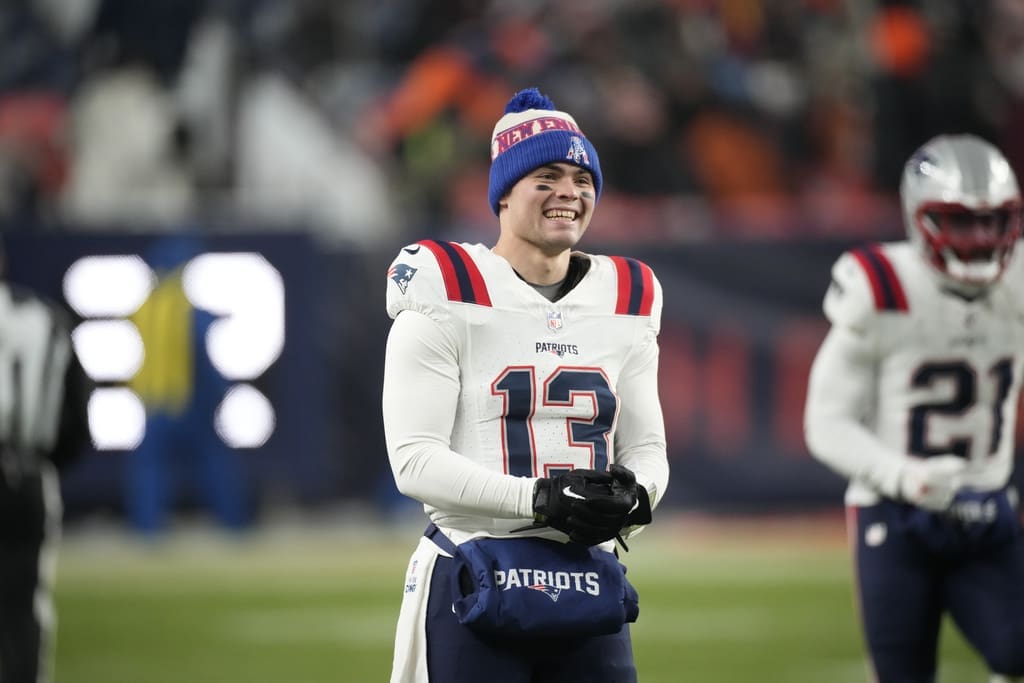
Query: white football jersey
494	385
910	369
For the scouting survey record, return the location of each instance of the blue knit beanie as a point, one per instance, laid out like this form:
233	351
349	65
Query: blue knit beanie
531	134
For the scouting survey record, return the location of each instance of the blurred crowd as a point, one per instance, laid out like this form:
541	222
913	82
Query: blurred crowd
368	123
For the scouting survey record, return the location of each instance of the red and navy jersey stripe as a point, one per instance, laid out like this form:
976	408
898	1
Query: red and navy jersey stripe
636	286
885	284
462	279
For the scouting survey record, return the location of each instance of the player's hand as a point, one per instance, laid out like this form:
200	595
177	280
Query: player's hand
626	480
590	506
931	483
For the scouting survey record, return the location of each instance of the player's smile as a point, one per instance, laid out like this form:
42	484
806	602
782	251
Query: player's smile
564	219
562	223
561	215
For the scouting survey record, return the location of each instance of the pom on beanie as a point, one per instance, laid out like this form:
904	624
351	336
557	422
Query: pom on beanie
533	133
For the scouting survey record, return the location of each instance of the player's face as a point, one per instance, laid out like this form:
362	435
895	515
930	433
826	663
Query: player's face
551	206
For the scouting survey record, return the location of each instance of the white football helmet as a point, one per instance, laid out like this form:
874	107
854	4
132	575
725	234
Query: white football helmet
962	208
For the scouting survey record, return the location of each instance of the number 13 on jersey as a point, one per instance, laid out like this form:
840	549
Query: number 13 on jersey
581	398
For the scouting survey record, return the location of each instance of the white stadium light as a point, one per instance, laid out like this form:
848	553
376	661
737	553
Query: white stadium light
110	350
245	418
108	286
247	294
117	419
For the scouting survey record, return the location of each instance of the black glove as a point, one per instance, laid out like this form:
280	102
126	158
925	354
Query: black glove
641	512
590	506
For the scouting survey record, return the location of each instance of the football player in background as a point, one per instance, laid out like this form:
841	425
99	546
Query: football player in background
520	382
913	396
43	427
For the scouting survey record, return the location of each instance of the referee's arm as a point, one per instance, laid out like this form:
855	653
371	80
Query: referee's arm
73	429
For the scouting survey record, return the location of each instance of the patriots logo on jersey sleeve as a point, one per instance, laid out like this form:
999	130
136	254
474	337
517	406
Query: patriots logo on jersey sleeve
402	275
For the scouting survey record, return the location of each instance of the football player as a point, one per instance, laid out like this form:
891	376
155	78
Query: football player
514	375
912	397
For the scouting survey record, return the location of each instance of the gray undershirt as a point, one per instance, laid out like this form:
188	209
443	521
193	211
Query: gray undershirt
547	291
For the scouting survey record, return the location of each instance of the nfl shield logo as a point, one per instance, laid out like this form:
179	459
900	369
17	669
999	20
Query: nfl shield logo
554	321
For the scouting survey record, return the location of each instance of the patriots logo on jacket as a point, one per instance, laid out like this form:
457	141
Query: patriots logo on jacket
577	152
401	274
550	591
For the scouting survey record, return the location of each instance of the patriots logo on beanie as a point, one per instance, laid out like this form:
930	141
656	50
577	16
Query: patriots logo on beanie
531	134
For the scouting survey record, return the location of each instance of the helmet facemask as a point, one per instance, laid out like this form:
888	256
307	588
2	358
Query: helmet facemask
970	246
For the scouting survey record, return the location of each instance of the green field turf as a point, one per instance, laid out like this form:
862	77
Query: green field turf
720	603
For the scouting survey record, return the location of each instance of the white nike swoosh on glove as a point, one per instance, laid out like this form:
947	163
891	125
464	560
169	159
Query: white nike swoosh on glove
572	494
